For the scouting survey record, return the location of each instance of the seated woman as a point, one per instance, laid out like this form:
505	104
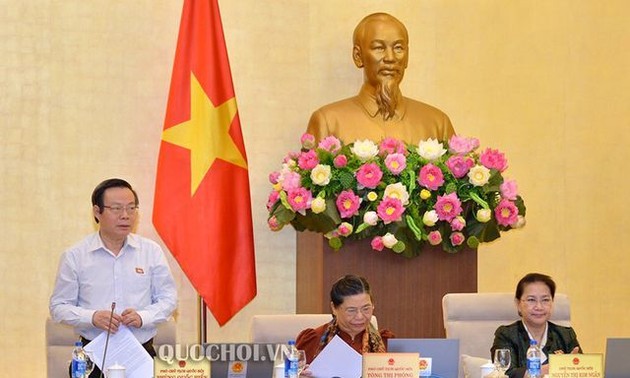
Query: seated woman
534	301
352	307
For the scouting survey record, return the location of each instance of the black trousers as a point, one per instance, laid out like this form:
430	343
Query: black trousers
96	373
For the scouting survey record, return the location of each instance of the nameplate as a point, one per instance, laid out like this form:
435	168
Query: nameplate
182	369
575	366
390	365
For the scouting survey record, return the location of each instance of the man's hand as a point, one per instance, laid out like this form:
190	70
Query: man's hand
544	370
130	318
100	319
306	372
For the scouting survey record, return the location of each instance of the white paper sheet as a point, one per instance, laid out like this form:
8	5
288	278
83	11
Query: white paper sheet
337	359
123	349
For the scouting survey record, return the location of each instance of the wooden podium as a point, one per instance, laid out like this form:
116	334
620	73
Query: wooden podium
407	292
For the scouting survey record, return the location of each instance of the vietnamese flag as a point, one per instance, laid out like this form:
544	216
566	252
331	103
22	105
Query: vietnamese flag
202	207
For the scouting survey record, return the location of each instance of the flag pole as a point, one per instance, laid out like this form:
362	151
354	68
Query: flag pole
202	335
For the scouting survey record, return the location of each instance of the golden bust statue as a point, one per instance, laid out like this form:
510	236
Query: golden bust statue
380	48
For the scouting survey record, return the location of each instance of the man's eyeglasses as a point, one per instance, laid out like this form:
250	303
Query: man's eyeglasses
354	311
118	210
544	302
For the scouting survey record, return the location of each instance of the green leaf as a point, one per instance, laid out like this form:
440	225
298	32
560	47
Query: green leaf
315	222
484	232
331	211
473	242
520	205
283	215
346	179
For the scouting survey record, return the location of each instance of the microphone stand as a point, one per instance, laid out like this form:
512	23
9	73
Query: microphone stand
111	316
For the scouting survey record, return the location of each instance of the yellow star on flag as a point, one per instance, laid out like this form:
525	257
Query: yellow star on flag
205	134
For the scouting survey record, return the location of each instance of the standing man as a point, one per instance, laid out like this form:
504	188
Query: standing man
114	265
381	49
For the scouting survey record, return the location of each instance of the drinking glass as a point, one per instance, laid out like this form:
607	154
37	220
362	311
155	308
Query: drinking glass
301	361
502	360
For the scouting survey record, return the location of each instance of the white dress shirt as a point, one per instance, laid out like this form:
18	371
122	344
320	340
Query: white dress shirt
91	277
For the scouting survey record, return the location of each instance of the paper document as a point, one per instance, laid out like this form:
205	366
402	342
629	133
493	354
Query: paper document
123	349
337	359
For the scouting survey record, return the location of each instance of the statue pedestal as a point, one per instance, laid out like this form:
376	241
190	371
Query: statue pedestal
407	292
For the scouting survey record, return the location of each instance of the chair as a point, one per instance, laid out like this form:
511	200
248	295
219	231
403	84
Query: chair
473	317
279	329
60	340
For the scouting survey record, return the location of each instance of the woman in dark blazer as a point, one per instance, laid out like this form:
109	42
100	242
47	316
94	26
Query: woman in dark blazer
534	302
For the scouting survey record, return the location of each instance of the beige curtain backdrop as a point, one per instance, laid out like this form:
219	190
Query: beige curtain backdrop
83	94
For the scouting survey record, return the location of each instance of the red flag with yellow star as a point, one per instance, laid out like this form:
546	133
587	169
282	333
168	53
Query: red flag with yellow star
202	208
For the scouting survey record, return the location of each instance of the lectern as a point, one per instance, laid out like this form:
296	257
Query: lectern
407	291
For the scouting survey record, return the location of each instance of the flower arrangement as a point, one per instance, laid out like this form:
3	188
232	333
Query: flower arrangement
400	196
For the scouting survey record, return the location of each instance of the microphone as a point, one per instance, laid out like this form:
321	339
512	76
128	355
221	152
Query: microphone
109	327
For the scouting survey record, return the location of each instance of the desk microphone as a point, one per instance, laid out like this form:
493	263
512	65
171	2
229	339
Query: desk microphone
109	327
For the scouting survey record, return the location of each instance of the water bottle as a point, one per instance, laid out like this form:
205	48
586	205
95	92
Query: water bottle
534	358
291	361
79	361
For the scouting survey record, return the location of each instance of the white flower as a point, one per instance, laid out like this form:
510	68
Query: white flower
430	149
484	215
520	223
398	191
370	217
389	240
430	218
479	175
318	205
364	149
321	174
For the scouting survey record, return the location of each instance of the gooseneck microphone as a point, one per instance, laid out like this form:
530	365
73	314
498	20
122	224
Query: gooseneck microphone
109	327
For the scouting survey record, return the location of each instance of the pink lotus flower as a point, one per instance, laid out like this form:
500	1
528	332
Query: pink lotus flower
457	238
330	144
274	177
506	213
462	145
291	157
431	177
396	163
308	141
273	224
340	161
308	160
459	165
345	229
377	243
369	175
458	223
434	237
290	180
390	210
390	146
509	189
299	199
273	198
347	203
448	207
493	159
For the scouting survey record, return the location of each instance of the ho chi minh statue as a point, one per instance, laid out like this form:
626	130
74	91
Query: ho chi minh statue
380	48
